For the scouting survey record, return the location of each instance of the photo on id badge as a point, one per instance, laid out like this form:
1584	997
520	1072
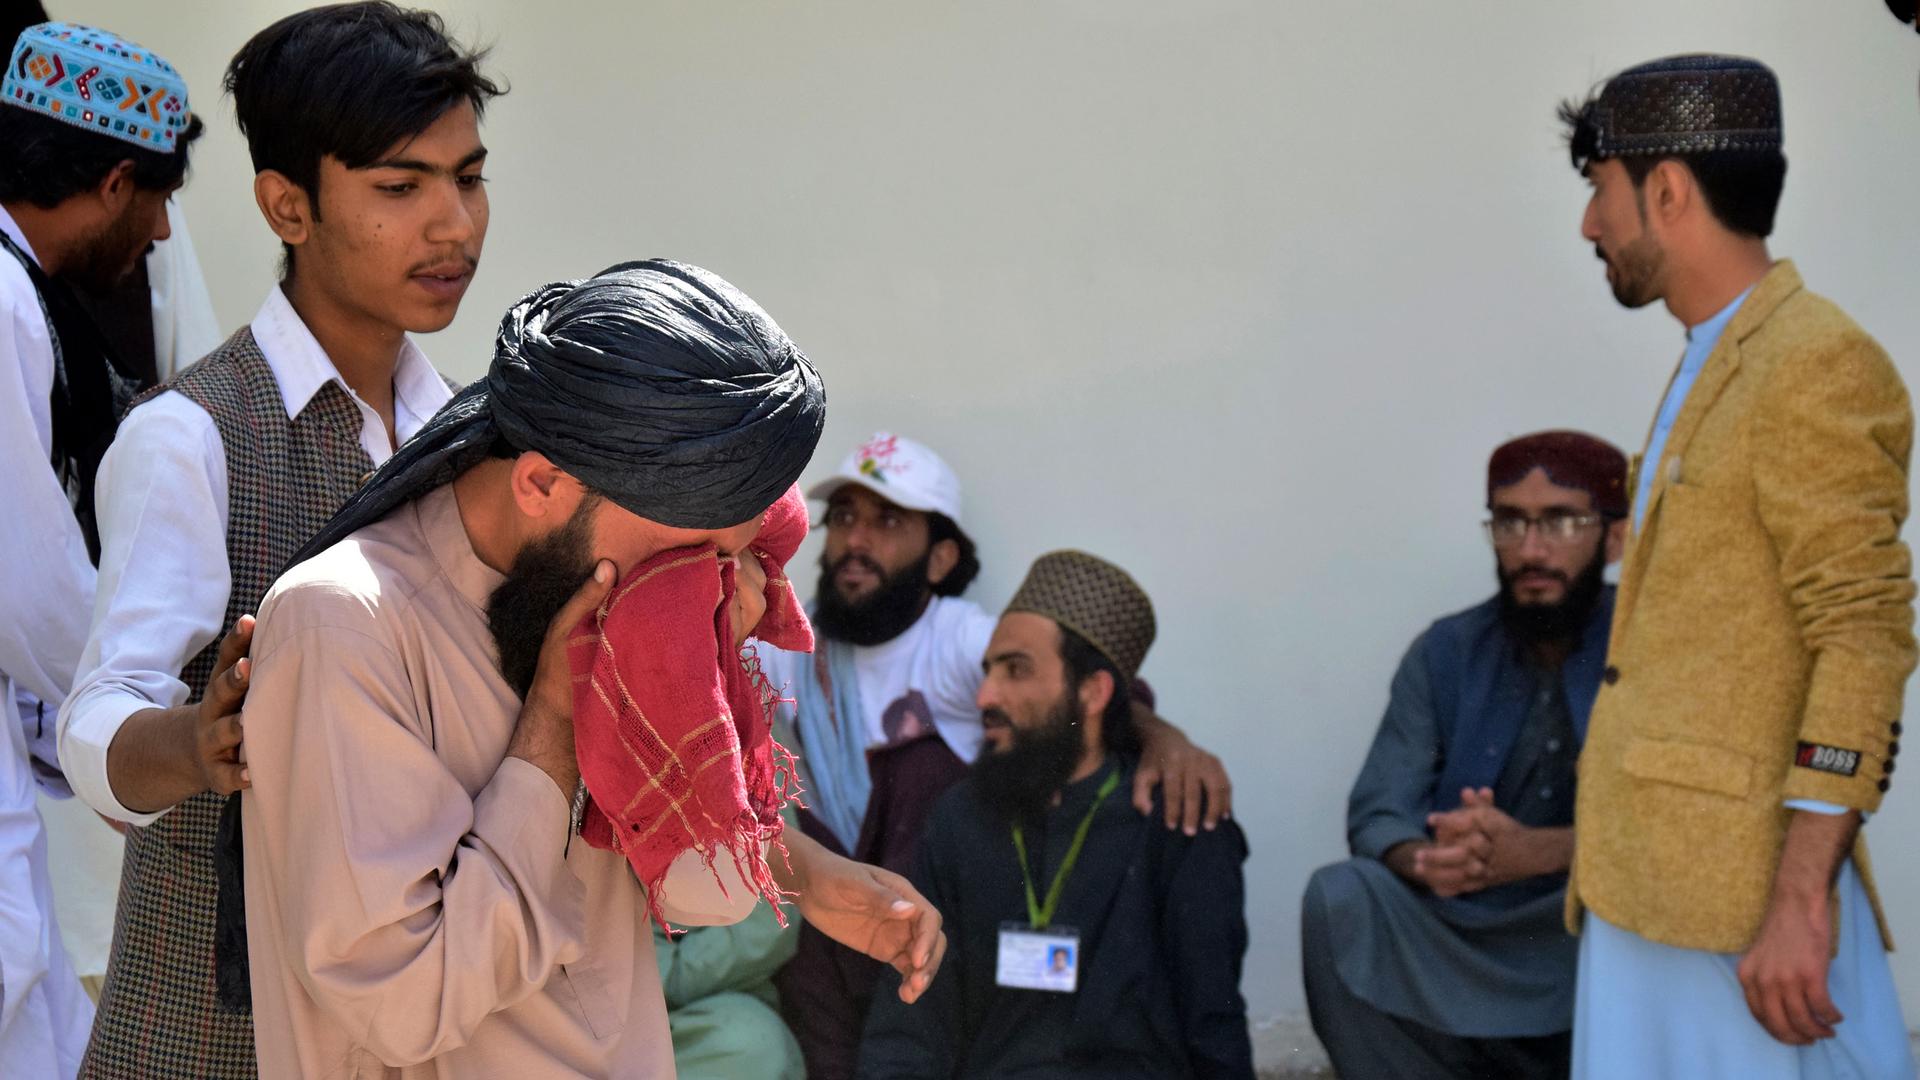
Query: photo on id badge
1039	959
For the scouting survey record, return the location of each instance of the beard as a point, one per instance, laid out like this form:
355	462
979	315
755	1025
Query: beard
544	576
108	257
1018	783
1637	271
1564	621
882	615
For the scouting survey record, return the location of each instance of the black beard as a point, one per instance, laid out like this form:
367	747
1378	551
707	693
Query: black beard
544	576
1637	269
1538	624
1019	783
881	616
101	264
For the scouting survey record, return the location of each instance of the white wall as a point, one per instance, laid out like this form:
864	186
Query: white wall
1239	295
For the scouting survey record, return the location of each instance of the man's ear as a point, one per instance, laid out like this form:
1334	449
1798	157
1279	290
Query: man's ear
116	189
1096	690
941	559
542	490
285	205
1671	192
1616	540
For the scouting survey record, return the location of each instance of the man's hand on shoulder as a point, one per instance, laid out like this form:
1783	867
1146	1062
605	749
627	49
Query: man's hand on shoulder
161	757
1196	792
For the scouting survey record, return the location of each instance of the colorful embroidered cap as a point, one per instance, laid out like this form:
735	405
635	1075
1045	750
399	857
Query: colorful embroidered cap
99	81
899	470
1686	105
1095	599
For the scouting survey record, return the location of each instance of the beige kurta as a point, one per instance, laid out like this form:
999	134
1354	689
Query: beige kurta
414	908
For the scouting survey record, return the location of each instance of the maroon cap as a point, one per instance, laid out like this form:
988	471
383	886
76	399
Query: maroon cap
1571	459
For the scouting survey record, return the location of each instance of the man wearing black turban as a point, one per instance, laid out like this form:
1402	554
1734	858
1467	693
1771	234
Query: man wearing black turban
414	899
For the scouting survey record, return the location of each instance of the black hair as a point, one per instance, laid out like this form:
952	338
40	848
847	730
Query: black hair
49	161
1741	187
1082	661
348	81
941	527
17	16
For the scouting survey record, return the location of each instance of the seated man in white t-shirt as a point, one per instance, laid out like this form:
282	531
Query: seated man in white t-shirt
882	713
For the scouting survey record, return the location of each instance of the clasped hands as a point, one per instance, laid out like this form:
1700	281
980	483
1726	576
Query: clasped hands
1474	847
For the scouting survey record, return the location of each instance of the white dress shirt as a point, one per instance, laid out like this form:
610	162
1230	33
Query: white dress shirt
47	581
162	504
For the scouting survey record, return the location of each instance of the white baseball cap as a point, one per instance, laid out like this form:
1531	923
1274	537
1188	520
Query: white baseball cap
899	470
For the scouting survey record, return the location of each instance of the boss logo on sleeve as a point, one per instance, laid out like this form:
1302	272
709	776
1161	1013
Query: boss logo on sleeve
1827	759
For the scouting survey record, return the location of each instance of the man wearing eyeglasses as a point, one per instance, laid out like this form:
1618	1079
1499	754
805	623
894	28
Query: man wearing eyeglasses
1438	949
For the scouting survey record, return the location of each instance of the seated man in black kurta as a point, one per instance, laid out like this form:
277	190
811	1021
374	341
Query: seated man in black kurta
1084	939
1438	949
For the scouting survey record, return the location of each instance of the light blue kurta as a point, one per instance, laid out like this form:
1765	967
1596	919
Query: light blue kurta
1655	1012
1700	342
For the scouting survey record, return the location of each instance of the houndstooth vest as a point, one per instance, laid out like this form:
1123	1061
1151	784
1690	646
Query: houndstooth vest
285	478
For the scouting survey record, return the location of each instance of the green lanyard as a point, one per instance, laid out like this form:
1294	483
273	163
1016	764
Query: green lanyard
1038	916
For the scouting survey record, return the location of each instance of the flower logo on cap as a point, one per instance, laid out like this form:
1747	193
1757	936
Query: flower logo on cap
876	457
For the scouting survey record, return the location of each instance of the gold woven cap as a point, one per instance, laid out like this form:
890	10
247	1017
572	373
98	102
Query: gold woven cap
1093	598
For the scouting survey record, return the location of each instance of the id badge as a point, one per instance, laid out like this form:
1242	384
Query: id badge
1039	959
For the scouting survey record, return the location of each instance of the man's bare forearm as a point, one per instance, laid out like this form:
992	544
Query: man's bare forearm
1544	851
1810	859
790	873
151	763
546	741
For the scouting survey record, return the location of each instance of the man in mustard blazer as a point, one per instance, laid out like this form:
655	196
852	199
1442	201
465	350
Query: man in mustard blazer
1749	715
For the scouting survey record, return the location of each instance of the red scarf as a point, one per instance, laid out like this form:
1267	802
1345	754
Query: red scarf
671	724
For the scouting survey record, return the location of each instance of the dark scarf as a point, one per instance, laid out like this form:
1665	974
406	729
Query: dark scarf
91	392
656	383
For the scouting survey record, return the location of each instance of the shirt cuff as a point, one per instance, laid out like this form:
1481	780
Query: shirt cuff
1377	837
698	894
88	725
1815	806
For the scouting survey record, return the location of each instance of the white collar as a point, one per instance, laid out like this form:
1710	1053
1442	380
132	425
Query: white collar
12	229
302	367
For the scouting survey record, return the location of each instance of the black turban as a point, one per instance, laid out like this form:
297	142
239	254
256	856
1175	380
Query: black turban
655	383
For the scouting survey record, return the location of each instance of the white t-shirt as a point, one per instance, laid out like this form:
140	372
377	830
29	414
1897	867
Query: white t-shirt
929	675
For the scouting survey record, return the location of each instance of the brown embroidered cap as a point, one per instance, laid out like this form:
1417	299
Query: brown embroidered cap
1092	598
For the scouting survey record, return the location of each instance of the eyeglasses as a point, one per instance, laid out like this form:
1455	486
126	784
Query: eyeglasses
1510	530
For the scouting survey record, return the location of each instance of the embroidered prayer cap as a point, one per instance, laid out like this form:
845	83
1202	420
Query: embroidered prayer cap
656	383
1093	598
99	81
1570	459
1693	104
903	472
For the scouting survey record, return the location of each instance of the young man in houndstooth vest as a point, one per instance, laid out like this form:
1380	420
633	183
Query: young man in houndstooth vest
362	120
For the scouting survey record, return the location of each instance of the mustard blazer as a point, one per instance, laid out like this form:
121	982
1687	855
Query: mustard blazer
1763	631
